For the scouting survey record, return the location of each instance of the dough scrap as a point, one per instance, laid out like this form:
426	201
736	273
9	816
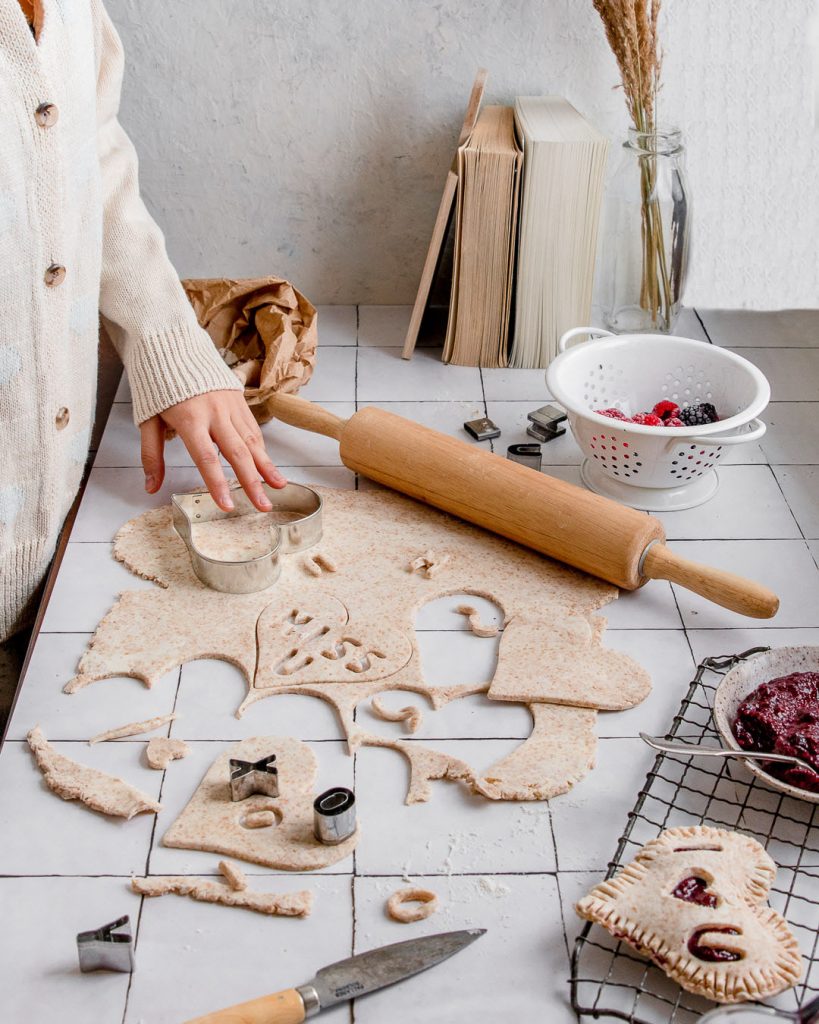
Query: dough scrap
283	839
132	729
233	875
564	662
160	751
560	751
426	904
411	715
649	904
97	790
291	904
475	624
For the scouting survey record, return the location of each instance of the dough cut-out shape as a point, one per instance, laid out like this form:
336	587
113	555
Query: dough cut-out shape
565	662
478	628
693	901
97	790
410	905
365	615
160	751
318	564
233	875
284	840
290	904
411	715
132	729
430	563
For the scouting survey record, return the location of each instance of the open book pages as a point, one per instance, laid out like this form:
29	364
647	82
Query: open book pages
489	166
564	166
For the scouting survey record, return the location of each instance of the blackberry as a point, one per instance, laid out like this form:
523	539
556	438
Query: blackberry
699	415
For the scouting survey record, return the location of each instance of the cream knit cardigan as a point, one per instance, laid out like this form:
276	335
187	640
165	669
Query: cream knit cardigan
69	196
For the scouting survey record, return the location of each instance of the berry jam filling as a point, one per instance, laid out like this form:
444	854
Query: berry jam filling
712	954
695	890
782	717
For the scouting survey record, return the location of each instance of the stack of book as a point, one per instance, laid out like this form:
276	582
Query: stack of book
530	183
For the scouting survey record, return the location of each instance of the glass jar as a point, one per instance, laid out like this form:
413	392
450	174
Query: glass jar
645	232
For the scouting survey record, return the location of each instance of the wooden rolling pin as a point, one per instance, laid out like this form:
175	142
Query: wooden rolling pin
573	525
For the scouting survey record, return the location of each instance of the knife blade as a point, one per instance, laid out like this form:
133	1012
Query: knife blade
347	979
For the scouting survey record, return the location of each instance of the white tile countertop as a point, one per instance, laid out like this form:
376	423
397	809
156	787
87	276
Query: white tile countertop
514	869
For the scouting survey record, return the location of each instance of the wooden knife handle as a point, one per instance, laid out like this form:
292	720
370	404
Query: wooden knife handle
717	585
298	412
285	1007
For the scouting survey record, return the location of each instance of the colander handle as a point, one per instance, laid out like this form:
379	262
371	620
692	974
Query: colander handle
756	428
592	332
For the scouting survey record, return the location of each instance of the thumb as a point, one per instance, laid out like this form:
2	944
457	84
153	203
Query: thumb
153	461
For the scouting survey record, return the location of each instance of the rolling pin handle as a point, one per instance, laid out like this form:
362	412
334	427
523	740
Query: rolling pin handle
723	588
298	412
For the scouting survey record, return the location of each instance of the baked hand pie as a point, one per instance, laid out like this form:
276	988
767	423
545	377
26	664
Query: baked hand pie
693	901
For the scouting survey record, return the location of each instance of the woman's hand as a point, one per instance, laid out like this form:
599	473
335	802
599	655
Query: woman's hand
218	421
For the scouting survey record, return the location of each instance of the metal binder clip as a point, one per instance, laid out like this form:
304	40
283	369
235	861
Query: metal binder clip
544	423
482	429
249	777
334	816
526	454
301	528
110	948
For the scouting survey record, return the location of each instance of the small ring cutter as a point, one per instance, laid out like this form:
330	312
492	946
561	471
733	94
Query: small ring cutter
303	528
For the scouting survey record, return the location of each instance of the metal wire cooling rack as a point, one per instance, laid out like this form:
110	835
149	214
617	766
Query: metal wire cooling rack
608	978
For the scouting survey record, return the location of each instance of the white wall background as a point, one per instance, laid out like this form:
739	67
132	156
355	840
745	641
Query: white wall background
310	138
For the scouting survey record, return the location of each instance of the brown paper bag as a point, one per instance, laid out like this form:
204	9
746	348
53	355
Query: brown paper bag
265	330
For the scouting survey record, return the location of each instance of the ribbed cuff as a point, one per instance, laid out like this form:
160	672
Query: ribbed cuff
21	572
167	367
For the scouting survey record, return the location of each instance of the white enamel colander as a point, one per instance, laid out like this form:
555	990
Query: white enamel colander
654	468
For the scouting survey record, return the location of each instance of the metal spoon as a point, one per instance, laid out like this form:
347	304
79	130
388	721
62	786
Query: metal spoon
757	1014
680	747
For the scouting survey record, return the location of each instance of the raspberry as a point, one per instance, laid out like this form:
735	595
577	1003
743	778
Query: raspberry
613	414
699	415
666	410
675	421
647	419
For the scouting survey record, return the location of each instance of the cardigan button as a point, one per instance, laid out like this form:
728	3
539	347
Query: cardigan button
62	418
54	275
46	115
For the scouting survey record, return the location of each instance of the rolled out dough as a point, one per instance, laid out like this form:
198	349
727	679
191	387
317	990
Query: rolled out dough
212	821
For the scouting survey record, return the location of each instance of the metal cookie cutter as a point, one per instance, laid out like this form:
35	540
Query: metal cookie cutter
482	429
301	505
544	423
249	777
334	816
110	948
526	454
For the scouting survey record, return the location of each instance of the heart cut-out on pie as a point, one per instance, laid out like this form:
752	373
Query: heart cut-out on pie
693	901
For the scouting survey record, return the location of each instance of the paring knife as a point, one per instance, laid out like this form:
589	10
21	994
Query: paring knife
347	979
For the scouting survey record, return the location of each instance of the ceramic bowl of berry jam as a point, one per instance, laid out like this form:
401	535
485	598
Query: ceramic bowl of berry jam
654	414
770	703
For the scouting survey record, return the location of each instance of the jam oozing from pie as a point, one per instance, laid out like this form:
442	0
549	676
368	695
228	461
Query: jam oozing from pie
712	954
782	717
695	890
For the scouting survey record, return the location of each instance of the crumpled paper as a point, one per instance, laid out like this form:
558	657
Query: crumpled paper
265	330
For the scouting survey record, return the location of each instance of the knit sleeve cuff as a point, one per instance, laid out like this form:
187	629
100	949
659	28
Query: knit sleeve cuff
169	366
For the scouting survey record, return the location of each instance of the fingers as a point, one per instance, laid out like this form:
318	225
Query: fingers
236	451
204	454
247	427
152	434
